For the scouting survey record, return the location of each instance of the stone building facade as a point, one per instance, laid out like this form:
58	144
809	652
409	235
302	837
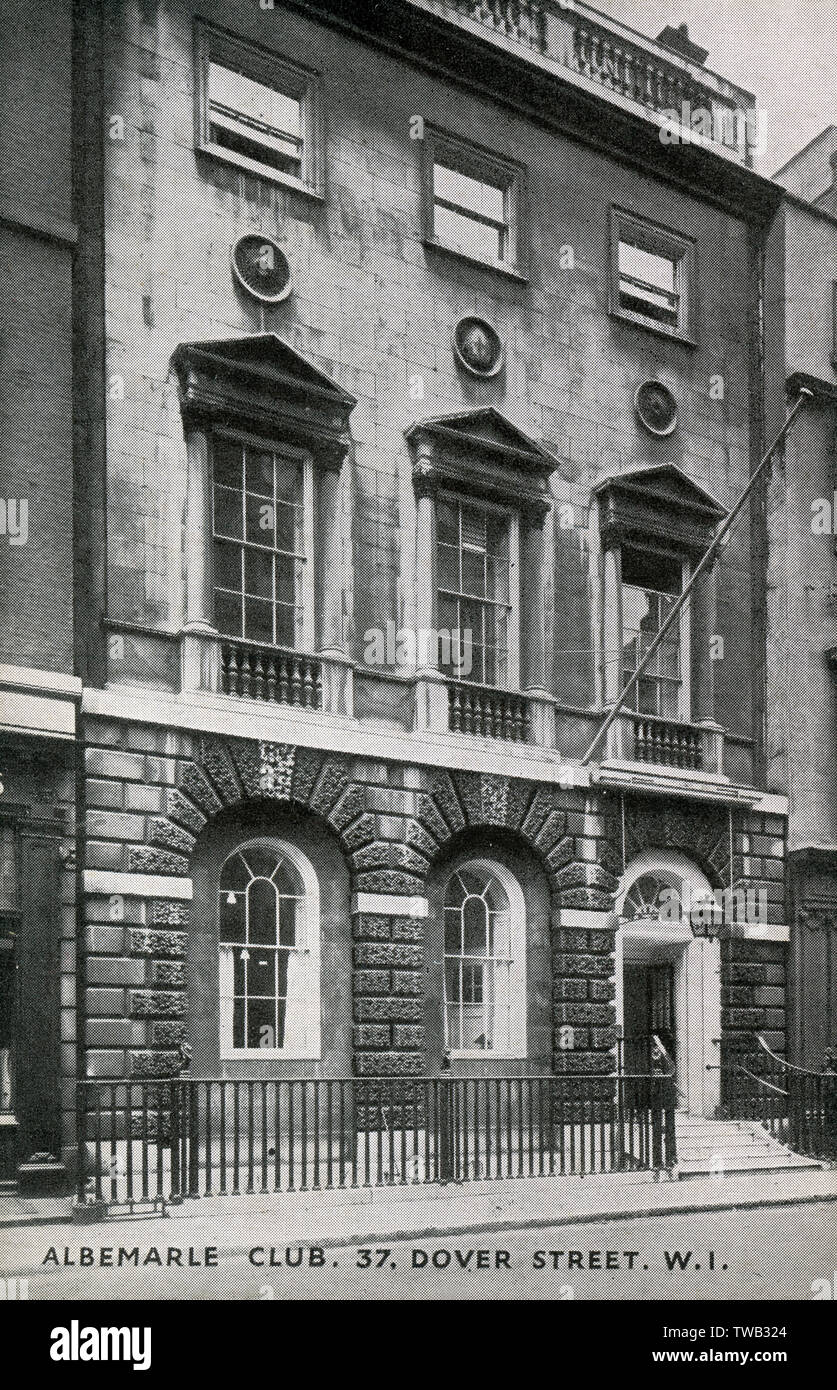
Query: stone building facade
803	619
441	301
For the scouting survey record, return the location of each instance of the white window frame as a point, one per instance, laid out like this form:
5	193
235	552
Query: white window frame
512	519
472	160
260	65
659	241
517	969
299	456
310	933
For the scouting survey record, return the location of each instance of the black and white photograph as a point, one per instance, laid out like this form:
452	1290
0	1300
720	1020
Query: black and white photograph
418	666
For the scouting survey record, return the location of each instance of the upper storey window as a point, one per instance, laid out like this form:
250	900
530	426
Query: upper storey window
473	203
257	110
651	586
260	507
652	276
474	589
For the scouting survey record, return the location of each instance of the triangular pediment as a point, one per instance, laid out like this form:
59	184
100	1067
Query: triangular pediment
264	357
664	485
485	429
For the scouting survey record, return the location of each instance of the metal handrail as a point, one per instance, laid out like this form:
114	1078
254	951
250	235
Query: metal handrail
783	1062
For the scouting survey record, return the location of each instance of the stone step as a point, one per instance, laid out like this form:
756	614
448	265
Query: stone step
731	1146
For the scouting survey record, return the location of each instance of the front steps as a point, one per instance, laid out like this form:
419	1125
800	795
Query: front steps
719	1147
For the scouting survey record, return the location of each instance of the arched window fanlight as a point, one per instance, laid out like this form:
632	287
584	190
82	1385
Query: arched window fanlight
654	898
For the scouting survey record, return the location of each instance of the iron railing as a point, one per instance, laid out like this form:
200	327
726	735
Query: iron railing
794	1104
162	1141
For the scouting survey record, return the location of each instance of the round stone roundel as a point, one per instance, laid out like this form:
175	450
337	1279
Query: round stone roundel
261	267
656	407
478	347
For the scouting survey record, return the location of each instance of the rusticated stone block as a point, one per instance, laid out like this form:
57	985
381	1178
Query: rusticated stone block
276	770
419	839
741	1018
580	1040
387	953
332	782
406	982
540	807
351	805
601	989
380	1010
389	1063
194	785
598	1014
361	833
551	831
371	928
561	854
569	989
155	1063
431	819
586	899
517	802
407	929
307	764
587	1063
217	764
170	974
248	764
143	942
158	1003
386	854
181	810
169	914
172	837
408	1035
586	965
589	940
603	1037
372	1035
740	996
168	1033
745	973
372	982
441	789
157	861
390	881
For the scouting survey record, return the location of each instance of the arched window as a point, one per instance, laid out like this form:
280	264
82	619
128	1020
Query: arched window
269	953
485	945
654	897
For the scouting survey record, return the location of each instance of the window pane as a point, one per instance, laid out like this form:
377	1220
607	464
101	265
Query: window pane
262	913
649	266
475	928
260	860
258	620
258	573
232	915
473	572
447	523
448	574
669	702
288	914
289	528
261	974
464	234
288	625
260	473
647	696
453	931
228	614
227	459
288	481
261	520
227	512
261	1023
238	1023
470	194
227	566
288	579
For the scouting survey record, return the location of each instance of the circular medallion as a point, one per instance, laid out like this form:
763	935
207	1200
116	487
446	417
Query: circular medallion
261	267
477	347
656	408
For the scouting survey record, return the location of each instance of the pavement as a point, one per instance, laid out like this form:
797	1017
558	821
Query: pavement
346	1217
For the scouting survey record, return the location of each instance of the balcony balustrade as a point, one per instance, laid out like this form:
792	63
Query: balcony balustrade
488	713
275	676
586	45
